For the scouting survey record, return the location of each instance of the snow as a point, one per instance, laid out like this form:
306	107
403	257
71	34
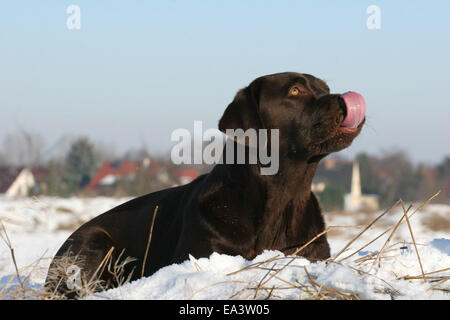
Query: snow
210	278
442	245
37	227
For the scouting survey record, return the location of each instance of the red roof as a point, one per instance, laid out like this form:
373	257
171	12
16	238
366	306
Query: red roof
124	169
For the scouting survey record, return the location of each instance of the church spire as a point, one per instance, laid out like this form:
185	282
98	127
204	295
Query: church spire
356	185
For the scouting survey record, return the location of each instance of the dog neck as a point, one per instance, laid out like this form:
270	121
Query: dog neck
292	182
283	201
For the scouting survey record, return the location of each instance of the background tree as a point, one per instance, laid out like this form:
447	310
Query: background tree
80	165
23	148
443	179
55	185
371	181
332	197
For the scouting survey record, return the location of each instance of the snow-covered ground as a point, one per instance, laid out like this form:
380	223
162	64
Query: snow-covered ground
37	227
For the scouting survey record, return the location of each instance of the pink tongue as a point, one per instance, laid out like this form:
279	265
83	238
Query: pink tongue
356	109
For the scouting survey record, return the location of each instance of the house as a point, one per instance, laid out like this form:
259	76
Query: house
110	172
20	182
159	174
332	172
345	174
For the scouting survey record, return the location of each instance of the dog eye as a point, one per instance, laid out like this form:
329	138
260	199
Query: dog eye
294	91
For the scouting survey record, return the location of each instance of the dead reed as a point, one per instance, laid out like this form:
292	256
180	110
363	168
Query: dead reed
268	282
60	275
272	282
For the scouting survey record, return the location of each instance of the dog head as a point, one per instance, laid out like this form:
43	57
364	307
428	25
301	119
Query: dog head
309	118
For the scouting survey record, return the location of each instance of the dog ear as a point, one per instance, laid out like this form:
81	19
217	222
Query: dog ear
243	111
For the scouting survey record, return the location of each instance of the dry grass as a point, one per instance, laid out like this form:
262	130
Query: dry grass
270	283
63	273
312	289
150	233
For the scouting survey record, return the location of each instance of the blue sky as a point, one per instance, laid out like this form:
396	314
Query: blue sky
137	70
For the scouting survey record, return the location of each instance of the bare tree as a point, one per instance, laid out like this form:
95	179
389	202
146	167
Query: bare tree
2	159
105	151
23	148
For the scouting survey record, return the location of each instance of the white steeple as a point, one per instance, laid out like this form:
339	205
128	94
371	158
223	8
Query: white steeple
356	185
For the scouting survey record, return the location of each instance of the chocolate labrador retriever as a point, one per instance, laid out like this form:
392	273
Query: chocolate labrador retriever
233	209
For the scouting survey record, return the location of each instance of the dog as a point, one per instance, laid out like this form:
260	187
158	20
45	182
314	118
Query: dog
233	209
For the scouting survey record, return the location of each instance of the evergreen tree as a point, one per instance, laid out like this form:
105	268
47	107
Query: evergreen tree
80	165
55	185
332	197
